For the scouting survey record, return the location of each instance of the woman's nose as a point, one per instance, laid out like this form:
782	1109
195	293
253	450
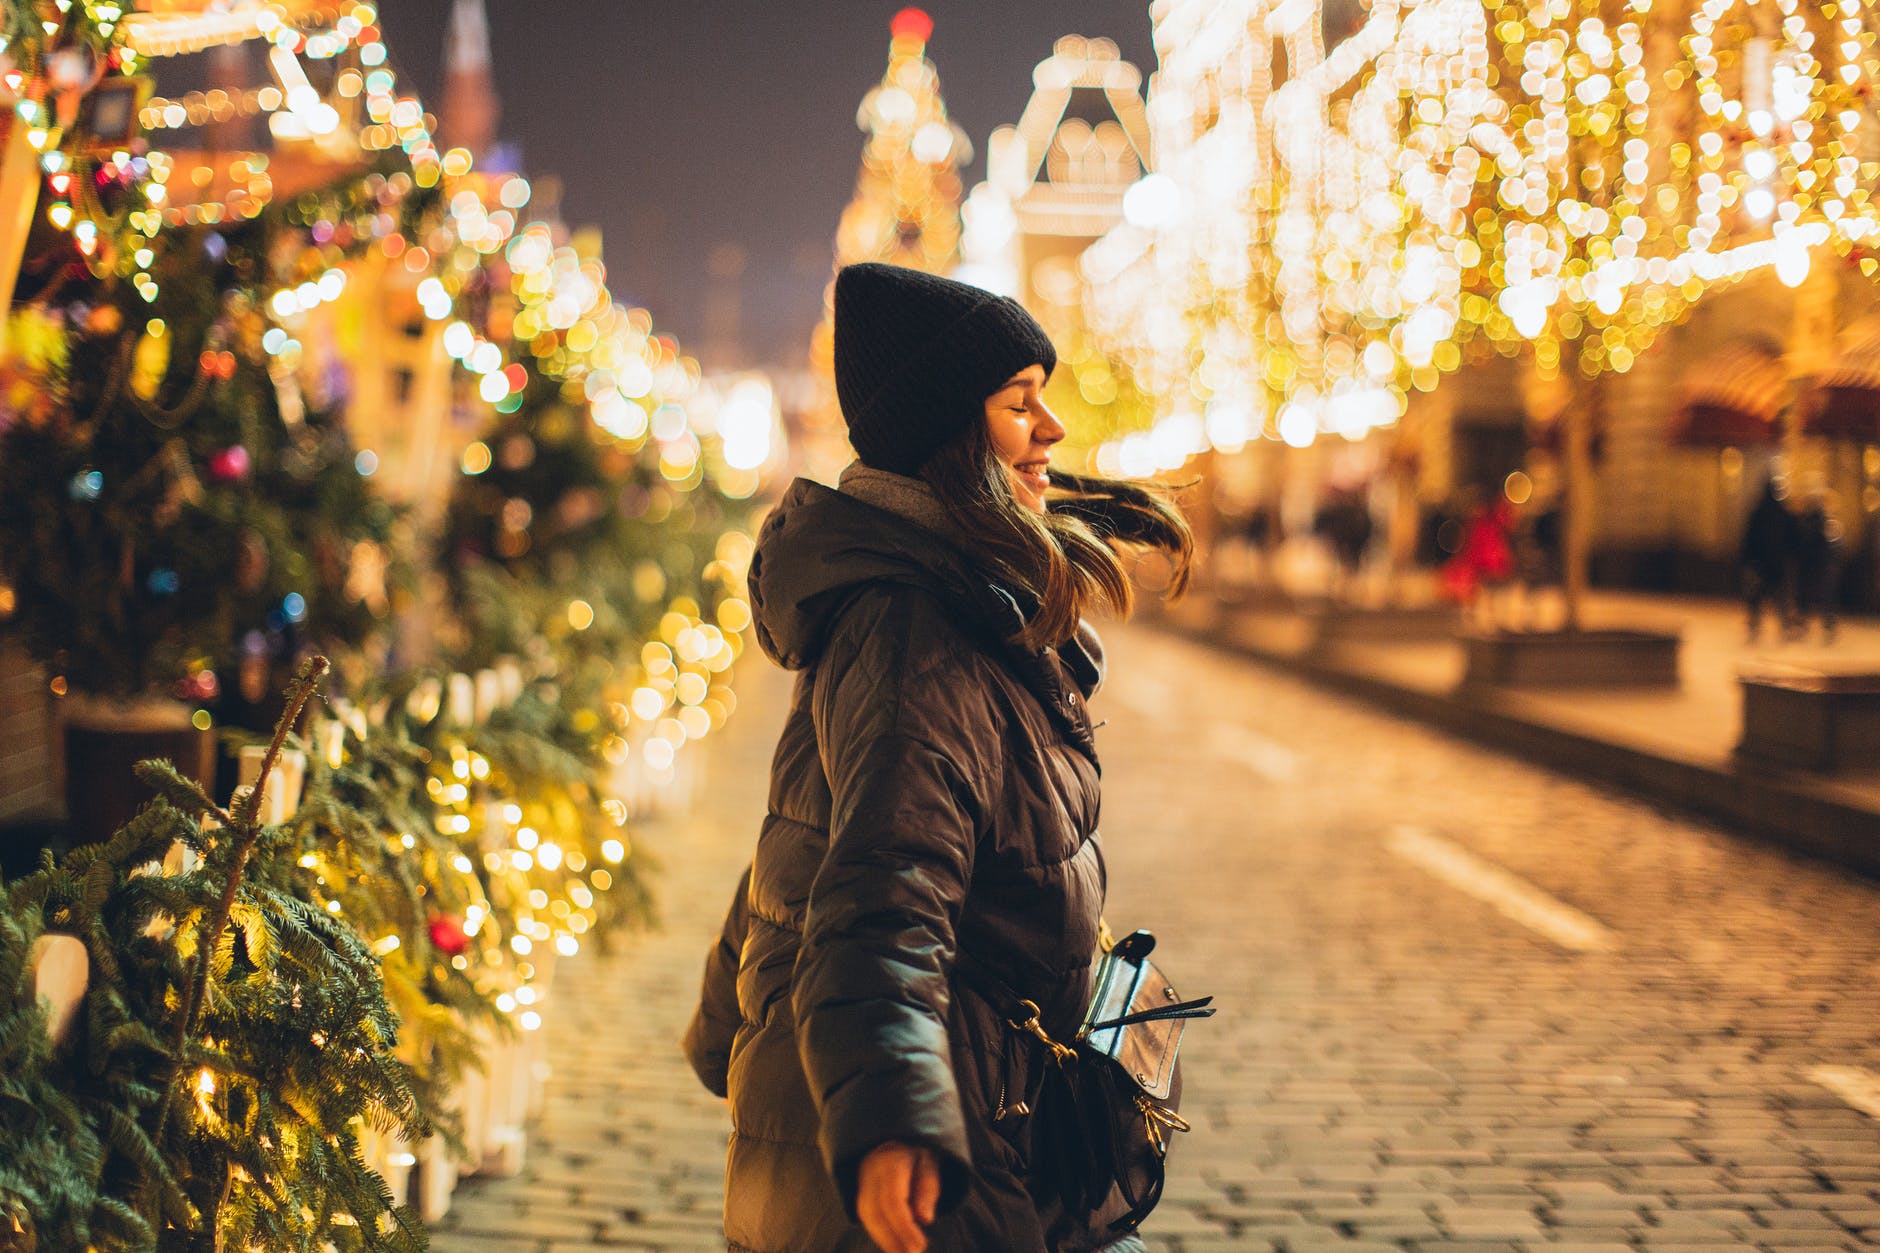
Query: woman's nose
1047	430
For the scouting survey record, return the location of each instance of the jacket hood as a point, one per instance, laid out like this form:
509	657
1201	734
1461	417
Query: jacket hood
818	547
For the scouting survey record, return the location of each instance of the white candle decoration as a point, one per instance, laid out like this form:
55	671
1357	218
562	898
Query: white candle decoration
61	972
509	673
281	798
331	739
489	694
463	700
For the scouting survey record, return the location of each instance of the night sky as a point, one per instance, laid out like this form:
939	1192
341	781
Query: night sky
678	125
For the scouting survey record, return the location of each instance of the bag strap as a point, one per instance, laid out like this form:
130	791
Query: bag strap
1020	1014
1181	1009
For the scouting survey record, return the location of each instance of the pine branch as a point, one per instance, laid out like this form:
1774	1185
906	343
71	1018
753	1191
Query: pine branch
245	831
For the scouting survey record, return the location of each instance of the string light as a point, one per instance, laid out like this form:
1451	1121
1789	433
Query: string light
1536	173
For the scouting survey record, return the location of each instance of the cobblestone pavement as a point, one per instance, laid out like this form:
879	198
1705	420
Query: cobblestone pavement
1468	1005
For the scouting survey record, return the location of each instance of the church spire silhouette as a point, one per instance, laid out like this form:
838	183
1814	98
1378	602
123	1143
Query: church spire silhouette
471	109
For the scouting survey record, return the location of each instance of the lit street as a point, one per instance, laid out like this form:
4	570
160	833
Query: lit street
1466	1004
421	420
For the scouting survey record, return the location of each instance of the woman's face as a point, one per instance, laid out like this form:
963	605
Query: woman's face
1023	431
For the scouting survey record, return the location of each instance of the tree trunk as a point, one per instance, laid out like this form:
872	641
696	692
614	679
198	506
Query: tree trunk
1578	504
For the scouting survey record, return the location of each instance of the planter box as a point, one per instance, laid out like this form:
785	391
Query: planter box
1256	596
103	741
1334	624
1811	718
1608	658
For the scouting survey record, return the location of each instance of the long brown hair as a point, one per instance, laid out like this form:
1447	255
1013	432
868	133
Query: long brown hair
1066	556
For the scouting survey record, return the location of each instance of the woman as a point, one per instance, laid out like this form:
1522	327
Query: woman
933	796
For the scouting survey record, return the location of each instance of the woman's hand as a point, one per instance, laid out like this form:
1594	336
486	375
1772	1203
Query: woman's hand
896	1192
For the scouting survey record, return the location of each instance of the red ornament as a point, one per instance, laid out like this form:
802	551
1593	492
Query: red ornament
231	465
200	686
447	934
911	24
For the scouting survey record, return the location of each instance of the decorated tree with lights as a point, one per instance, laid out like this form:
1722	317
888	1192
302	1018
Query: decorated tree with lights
1625	163
1557	178
906	206
286	1000
597	496
170	512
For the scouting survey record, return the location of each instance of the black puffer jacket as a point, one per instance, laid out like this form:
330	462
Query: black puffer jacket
934	793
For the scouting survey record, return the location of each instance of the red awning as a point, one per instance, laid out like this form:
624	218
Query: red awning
1845	401
1733	399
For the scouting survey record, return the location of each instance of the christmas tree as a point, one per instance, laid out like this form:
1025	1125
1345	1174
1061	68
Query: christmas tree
906	207
232	1043
176	508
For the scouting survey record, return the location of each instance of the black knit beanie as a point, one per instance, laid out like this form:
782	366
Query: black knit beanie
917	355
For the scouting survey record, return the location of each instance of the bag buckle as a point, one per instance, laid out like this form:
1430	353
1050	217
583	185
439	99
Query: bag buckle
1156	1119
1059	1053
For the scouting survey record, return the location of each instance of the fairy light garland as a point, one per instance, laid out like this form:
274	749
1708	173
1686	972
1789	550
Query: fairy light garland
1556	172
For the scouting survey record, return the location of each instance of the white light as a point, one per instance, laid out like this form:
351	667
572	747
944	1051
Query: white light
1152	202
745	422
1297	426
459	340
1230	425
1136	456
1792	259
1593	89
620	417
1288	16
932	143
1526	309
1759	203
485	358
894	107
493	387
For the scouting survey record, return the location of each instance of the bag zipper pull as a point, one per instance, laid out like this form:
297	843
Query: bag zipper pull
1018	1109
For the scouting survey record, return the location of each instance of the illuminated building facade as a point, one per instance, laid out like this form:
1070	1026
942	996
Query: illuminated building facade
1465	226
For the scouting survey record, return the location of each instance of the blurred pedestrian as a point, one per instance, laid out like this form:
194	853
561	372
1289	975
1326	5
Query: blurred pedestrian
1816	545
1539	556
1484	560
1763	564
1263	531
1245	554
933	798
1344	522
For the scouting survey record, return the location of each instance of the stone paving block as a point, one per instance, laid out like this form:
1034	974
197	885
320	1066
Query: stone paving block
463	1242
1387	1047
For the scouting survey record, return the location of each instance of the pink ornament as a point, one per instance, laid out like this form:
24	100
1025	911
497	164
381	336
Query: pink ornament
231	465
